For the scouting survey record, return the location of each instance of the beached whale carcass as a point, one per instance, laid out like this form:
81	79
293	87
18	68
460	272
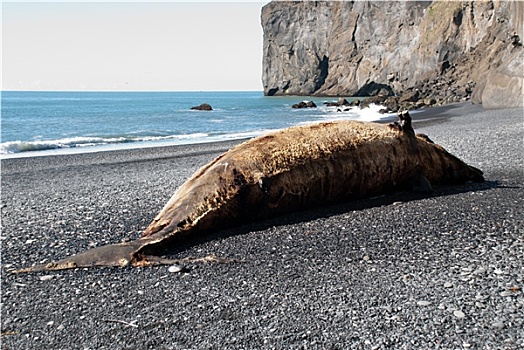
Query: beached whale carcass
281	172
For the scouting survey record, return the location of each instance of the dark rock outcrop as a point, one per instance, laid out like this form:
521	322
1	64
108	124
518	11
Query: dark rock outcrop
374	89
304	104
447	50
203	107
341	102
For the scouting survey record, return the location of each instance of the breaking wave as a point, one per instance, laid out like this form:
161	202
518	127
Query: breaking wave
74	142
14	148
44	123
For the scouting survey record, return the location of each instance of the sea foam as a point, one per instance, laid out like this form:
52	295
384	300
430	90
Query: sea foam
13	147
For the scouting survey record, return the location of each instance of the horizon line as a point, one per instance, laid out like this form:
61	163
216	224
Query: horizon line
10	90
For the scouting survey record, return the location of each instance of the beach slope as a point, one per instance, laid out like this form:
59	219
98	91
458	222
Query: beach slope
404	270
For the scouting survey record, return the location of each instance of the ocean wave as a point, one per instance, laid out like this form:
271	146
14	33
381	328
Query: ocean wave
368	114
372	113
147	138
13	147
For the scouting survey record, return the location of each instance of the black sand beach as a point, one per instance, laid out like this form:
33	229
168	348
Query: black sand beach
403	271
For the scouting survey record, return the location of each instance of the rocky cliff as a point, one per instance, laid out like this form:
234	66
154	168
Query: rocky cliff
445	50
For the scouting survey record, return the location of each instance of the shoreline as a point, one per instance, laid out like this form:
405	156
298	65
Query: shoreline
377	271
419	116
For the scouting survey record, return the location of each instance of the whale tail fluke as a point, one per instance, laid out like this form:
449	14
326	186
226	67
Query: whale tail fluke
121	254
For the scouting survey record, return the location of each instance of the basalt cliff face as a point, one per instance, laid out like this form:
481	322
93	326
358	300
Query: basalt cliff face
442	50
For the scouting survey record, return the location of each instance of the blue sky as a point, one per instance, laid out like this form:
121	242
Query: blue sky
136	46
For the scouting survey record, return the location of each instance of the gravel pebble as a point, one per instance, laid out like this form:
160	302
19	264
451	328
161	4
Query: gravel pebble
299	281
176	268
498	325
459	314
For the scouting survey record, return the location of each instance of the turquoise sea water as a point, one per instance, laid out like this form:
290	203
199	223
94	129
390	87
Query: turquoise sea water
40	123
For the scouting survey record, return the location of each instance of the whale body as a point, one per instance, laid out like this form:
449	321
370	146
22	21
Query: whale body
285	171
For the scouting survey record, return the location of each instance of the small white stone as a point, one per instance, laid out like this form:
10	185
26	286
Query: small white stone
479	271
423	303
50	323
46	277
448	285
459	314
480	297
175	268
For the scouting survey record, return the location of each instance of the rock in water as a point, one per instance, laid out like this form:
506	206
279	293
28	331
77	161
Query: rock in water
203	107
304	104
281	172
